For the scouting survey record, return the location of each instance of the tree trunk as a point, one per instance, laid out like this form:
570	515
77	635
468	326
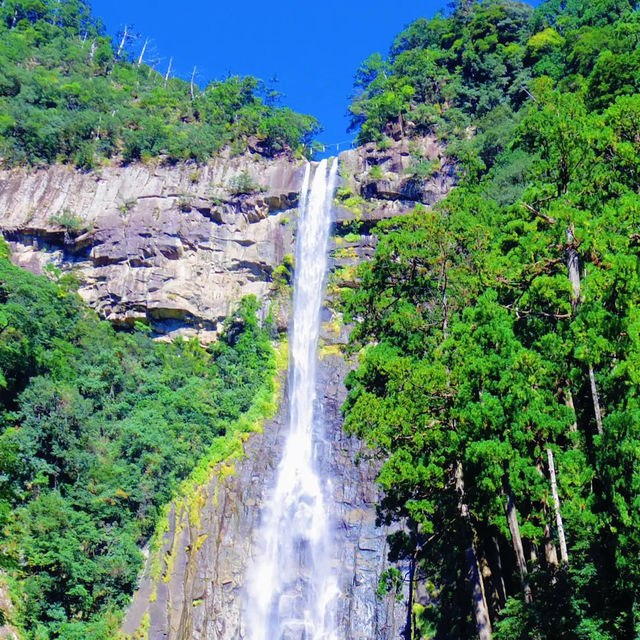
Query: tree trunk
483	623
568	401
514	528
144	48
550	553
193	77
409	631
479	599
445	314
122	42
564	555
500	587
491	574
596	401
573	265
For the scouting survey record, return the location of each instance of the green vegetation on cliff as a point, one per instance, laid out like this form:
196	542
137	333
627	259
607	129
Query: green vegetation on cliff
97	431
68	94
445	73
466	75
499	335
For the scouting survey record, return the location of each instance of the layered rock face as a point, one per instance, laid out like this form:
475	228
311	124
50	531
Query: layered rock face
397	177
378	185
174	247
178	247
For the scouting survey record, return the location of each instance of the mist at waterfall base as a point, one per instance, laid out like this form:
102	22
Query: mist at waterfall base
292	589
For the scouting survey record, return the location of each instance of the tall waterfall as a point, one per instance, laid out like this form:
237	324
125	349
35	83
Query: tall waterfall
292	589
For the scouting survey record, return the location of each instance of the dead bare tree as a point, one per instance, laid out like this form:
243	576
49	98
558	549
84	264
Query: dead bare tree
166	77
192	86
564	555
125	35
141	56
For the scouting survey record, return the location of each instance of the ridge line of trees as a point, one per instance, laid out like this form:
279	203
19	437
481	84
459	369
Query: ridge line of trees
68	94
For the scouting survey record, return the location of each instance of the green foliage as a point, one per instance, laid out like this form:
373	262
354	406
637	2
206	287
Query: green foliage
243	184
544	42
384	143
442	72
65	97
422	168
98	429
477	354
477	66
391	581
283	273
70	222
375	173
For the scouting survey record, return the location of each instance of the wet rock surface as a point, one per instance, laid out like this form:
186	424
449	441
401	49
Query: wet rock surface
361	544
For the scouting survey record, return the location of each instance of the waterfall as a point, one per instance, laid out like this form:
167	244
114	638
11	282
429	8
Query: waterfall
292	589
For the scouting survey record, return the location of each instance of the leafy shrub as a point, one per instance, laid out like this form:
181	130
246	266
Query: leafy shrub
70	222
283	273
384	143
243	184
422	168
375	173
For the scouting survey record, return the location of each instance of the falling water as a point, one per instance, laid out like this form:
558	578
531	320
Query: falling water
292	589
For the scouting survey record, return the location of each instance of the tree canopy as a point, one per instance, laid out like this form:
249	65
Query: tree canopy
97	429
498	334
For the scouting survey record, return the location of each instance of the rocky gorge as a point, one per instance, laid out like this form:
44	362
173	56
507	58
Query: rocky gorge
176	247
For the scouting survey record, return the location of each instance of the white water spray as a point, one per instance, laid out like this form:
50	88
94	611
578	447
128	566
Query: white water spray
292	590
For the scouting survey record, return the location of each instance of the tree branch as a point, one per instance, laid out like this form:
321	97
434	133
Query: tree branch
543	216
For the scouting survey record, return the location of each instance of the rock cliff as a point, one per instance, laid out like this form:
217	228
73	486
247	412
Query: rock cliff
197	593
177	247
174	247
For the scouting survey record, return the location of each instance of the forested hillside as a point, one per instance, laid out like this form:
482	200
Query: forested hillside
499	335
69	93
97	429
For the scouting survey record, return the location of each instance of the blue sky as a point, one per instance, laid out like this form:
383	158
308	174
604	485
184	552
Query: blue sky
313	48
